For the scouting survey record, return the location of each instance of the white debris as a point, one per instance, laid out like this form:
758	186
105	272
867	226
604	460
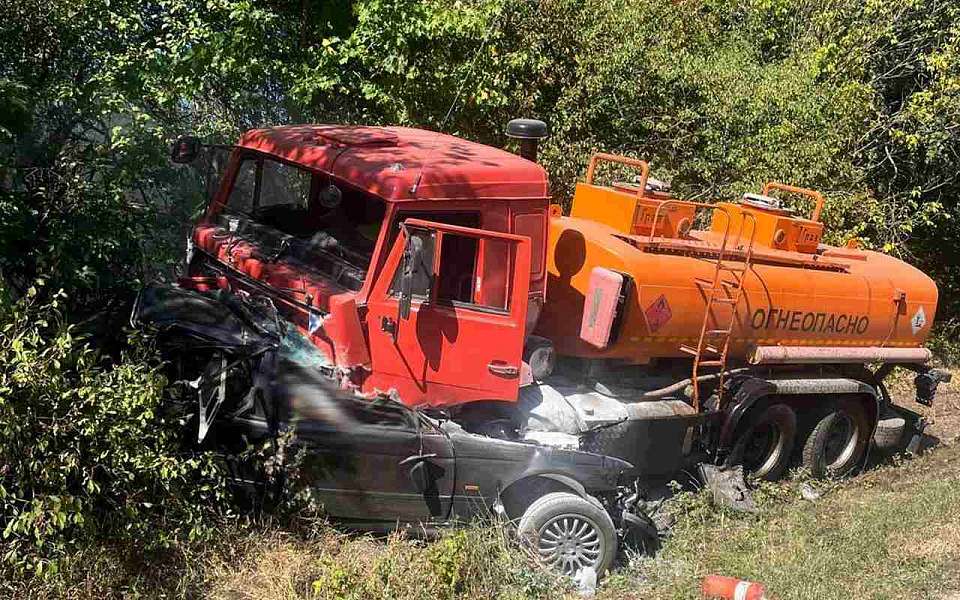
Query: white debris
808	493
586	580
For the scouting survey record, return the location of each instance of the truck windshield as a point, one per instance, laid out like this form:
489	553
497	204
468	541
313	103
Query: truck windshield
328	227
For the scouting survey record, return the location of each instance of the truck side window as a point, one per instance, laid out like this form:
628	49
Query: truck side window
242	198
459	280
532	225
423	270
474	272
458	268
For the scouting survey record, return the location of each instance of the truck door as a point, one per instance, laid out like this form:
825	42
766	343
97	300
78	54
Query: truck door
461	337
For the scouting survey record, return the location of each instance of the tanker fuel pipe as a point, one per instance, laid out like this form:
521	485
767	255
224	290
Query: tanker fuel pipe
676	387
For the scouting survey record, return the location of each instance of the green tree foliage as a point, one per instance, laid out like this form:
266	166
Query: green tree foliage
857	99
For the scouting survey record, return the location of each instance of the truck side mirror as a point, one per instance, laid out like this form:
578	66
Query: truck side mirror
412	256
185	150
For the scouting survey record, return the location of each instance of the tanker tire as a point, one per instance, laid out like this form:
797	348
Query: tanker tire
889	435
541	356
778	423
819	447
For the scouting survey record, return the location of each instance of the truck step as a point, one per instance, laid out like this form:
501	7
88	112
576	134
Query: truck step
733	269
708	283
712	363
724	300
719	331
693	351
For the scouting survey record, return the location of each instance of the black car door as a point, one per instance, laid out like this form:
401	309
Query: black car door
374	461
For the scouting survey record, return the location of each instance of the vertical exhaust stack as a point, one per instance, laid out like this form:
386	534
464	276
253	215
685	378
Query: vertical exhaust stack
529	132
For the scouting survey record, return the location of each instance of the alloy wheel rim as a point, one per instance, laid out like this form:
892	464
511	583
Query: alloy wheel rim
570	542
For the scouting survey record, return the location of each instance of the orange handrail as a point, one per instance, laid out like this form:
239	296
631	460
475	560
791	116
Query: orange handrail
816	196
623	160
726	213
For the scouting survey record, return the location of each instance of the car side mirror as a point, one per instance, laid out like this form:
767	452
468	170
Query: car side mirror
412	256
185	150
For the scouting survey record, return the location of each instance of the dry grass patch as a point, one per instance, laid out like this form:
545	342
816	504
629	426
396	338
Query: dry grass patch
892	533
479	562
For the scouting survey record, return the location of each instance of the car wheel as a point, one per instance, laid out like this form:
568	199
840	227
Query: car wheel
838	440
765	446
568	533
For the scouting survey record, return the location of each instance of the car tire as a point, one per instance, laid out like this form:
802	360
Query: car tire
568	532
838	441
766	443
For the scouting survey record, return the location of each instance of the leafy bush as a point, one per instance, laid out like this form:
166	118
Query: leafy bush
475	562
85	448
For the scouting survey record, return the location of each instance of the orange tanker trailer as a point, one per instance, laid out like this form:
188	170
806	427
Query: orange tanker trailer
759	271
749	316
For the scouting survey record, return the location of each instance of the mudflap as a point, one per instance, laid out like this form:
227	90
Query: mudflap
728	487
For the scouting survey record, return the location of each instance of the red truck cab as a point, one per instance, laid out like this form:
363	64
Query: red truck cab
415	261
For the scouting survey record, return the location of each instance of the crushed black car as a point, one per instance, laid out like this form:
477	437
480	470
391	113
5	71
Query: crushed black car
373	463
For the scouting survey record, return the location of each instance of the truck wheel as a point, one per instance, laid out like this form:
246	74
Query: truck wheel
838	440
889	434
568	533
765	446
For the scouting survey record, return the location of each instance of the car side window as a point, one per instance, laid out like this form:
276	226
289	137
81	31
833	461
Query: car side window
382	413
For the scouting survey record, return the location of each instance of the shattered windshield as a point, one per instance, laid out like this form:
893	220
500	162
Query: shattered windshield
329	228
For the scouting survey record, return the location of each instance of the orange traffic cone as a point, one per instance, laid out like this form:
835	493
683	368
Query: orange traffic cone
731	588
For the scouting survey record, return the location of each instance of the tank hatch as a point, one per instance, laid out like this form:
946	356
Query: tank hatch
775	226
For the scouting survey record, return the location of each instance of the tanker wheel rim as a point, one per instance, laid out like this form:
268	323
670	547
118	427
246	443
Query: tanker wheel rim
570	542
762	448
841	441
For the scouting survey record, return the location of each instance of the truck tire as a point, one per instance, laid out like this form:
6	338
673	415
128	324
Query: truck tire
838	440
568	533
539	353
766	443
889	435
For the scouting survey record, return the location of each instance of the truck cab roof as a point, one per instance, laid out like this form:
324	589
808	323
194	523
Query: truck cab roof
403	164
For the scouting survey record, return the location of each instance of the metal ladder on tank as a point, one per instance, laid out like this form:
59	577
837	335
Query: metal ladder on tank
713	345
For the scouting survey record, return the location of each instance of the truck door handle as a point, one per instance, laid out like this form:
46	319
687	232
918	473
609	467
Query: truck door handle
503	369
416	458
388	325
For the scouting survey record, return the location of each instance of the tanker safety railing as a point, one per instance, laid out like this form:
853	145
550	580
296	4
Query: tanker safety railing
716	340
792	189
623	160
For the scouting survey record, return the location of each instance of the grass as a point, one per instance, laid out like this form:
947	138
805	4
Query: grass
891	533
